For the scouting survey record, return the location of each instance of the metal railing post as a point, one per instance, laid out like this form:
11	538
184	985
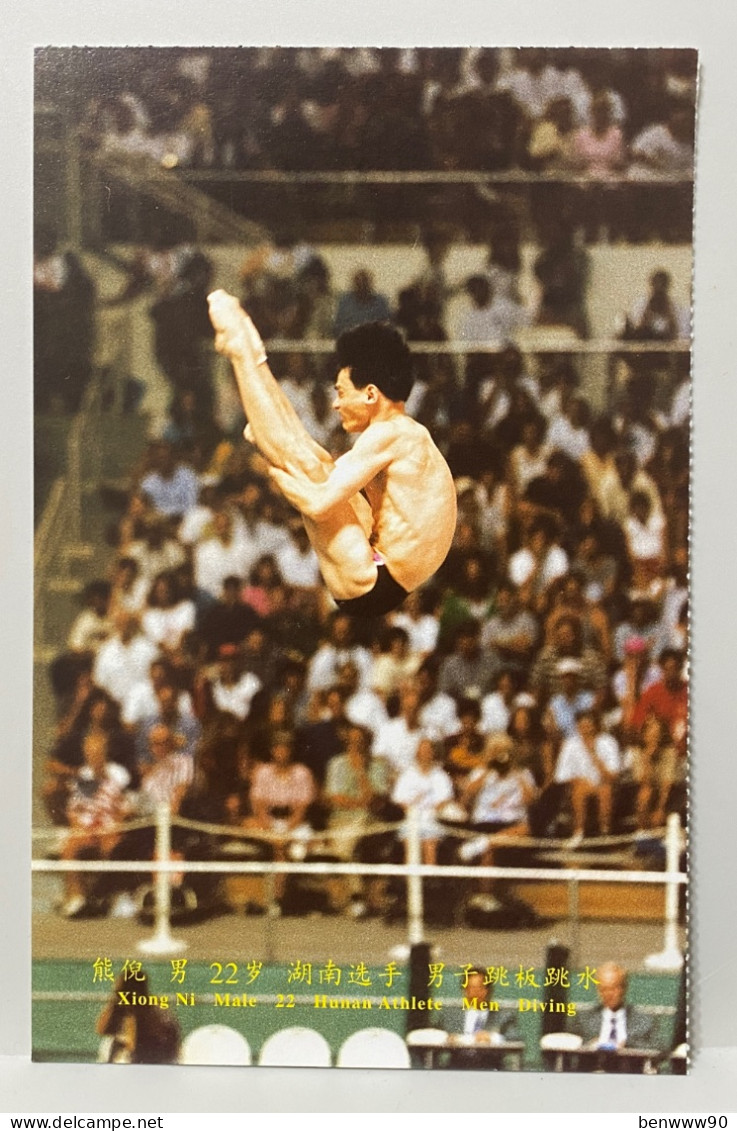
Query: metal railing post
670	957
162	940
415	909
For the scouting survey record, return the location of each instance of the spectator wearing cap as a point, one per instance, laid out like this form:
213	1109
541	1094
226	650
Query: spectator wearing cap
634	677
589	762
566	705
499	793
498	796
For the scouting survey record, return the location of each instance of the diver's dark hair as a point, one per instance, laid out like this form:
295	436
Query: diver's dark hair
377	354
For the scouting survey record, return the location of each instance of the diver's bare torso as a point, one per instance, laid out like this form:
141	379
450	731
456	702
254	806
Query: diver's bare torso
413	502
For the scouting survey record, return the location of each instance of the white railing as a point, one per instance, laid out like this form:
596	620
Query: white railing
421	177
61	523
212	221
163	866
572	346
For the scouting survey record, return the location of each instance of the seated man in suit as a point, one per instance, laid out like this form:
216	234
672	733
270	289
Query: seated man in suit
478	1023
614	1024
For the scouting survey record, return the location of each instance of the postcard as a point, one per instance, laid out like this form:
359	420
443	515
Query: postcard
362	453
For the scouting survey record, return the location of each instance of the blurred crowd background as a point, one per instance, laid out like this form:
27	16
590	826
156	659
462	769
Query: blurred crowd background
525	218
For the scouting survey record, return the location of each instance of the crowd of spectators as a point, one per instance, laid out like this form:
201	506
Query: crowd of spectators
535	686
594	112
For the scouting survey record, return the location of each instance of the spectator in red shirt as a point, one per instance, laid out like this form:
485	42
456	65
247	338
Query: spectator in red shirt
666	700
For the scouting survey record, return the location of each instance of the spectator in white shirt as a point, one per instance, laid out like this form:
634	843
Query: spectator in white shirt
424	788
129	590
665	149
490	318
362	705
125	659
418	622
297	561
394	664
589	762
93	626
170	773
533	568
222	555
644	529
156	552
336	650
167	619
172	487
398	739
569	429
438	715
234	689
198	518
141	701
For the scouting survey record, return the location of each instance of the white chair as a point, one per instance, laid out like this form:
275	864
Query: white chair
561	1042
297	1047
215	1044
427	1038
374	1048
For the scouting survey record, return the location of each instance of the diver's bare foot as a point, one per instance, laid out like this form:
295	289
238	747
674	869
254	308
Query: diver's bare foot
235	333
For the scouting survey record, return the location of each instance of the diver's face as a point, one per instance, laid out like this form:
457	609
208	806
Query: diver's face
352	404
